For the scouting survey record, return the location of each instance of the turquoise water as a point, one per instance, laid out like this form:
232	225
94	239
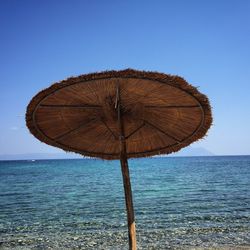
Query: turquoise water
180	203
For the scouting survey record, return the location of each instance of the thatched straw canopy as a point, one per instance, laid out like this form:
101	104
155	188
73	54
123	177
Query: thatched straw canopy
161	114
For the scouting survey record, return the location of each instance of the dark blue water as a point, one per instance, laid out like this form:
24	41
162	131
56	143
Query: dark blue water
180	203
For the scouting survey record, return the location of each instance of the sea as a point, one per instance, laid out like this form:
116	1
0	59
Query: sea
179	203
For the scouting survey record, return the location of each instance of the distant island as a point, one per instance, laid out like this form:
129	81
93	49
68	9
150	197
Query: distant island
191	151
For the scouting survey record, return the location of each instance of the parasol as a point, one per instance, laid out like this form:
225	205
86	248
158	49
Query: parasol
120	115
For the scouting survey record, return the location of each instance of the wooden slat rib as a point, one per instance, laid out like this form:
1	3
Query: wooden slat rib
174	106
62	136
110	130
170	136
133	132
69	106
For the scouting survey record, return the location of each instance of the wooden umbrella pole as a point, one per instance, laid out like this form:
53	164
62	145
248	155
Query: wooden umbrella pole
126	178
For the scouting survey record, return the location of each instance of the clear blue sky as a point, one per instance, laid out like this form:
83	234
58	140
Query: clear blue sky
206	42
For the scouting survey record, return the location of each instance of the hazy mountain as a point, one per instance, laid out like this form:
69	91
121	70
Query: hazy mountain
189	151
